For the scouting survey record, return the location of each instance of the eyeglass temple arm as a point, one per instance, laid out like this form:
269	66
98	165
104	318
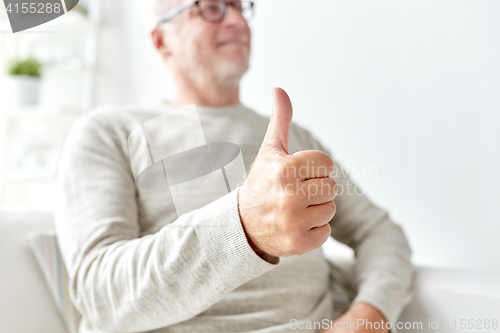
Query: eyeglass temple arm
171	14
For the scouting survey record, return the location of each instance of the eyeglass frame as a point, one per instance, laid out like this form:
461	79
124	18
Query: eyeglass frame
176	11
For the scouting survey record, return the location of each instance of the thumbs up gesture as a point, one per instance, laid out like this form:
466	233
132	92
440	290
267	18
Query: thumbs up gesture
285	203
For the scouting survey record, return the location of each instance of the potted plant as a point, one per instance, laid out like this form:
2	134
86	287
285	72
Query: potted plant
24	79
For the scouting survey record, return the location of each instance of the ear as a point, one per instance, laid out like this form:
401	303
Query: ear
157	36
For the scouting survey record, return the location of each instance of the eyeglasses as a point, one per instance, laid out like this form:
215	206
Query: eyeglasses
212	10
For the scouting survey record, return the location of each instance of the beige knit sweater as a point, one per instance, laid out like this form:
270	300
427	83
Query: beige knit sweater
135	266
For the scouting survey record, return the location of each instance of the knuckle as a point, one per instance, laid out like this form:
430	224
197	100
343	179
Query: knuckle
325	212
319	157
318	154
326	231
327	161
300	154
330	209
318	236
322	159
296	245
289	245
330	186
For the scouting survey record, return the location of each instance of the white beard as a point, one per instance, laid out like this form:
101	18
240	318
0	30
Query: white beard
225	72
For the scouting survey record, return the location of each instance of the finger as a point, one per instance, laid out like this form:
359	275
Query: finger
319	215
319	190
311	164
278	131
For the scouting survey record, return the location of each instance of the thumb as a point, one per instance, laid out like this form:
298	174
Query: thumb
279	126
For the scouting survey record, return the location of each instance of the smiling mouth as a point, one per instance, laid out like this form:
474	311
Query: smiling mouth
234	42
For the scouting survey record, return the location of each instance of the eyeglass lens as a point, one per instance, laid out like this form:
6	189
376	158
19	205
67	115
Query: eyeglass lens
214	10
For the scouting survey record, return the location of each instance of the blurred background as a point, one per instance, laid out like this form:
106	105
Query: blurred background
406	95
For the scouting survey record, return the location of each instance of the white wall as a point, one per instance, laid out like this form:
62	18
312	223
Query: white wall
129	71
407	88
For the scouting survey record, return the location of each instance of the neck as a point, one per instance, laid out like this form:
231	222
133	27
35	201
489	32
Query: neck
206	92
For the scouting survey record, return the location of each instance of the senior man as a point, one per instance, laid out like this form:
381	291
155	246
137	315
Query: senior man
135	266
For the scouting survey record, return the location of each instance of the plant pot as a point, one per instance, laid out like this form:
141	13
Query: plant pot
24	89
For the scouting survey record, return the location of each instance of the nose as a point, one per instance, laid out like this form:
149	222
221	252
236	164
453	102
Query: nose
234	17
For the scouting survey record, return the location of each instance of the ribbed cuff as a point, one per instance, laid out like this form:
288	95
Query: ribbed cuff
225	245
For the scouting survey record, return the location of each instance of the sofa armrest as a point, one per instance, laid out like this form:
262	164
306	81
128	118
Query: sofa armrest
444	299
26	305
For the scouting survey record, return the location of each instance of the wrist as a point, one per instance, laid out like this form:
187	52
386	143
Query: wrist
265	256
369	313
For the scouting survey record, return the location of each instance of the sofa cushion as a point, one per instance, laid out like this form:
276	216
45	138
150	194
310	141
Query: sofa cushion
46	250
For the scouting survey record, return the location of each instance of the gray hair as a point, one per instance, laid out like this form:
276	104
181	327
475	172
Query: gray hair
151	11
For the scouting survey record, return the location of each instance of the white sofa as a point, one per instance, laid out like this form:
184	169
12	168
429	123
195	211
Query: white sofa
442	295
26	305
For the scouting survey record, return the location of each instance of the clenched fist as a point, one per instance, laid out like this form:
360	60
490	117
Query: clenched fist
285	203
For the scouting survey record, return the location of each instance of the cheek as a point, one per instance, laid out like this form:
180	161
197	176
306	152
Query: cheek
202	43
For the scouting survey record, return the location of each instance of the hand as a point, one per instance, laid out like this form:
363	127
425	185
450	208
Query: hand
285	203
360	311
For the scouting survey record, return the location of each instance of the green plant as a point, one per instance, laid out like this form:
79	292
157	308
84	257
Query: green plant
29	66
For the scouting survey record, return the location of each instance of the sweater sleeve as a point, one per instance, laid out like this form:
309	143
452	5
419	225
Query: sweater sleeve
384	271
120	281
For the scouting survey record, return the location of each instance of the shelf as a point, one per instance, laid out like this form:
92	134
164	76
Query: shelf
70	67
28	180
68	47
41	110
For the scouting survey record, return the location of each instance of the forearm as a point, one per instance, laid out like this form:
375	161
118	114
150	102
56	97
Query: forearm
384	269
141	284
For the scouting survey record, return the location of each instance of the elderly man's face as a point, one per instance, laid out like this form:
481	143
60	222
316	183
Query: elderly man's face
199	48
